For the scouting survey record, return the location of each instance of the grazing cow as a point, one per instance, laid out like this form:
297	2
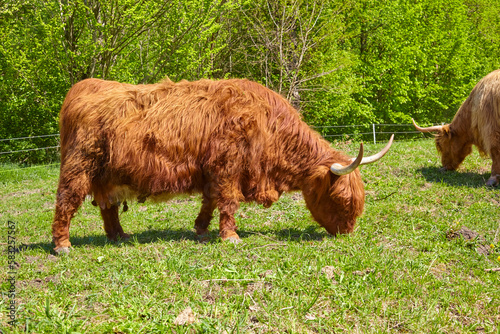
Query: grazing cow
231	140
477	122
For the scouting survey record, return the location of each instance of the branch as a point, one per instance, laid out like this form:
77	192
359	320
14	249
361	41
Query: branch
319	75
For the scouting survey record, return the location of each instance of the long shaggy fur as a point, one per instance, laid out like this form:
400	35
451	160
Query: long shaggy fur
231	140
477	122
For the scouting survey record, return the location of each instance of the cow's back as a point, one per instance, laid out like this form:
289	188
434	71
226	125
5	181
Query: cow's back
162	137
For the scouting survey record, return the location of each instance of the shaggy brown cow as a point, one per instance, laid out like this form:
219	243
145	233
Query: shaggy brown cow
477	122
231	140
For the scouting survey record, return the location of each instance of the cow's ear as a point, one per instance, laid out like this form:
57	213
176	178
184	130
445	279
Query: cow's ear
447	131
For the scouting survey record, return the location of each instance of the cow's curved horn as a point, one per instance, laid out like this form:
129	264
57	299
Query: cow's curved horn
429	129
379	155
338	169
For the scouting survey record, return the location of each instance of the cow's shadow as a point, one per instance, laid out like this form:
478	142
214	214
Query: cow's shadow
454	178
100	240
310	233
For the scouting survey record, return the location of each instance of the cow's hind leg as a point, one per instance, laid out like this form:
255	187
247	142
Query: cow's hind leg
71	192
112	223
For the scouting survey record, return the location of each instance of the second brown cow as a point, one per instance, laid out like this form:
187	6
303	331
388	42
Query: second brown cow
477	122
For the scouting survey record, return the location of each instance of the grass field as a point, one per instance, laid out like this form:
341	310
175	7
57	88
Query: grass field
417	261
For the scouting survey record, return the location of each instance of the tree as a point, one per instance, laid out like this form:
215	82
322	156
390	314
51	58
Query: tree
47	46
418	58
277	41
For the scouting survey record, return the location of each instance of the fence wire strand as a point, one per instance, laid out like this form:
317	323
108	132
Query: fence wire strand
32	137
30	149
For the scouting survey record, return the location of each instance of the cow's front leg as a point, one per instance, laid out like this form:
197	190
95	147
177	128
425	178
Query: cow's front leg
227	224
228	196
494	179
112	223
206	214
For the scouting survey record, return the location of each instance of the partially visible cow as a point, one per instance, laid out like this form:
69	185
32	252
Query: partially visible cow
231	140
477	122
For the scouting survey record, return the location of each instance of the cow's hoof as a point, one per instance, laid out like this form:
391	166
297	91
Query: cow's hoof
118	237
124	236
61	250
492	182
233	240
203	238
230	236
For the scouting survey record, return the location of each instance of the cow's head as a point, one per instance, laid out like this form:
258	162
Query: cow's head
335	196
335	201
453	148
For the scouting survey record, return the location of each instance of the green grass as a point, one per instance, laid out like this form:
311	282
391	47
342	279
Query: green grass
400	271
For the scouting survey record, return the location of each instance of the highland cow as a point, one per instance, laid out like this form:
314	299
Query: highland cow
477	122
230	140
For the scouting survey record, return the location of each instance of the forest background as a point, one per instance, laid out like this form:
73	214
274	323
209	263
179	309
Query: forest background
339	61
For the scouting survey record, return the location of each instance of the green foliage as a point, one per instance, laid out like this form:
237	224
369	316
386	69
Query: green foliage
338	62
418	58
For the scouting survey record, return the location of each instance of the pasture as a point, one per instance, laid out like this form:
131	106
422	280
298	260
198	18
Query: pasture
417	261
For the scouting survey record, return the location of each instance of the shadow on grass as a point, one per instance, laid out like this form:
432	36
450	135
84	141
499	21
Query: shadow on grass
145	237
454	178
310	233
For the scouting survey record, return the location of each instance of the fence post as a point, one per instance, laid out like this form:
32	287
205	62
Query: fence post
374	137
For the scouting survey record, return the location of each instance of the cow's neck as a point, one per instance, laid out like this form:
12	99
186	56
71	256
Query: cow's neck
463	125
302	158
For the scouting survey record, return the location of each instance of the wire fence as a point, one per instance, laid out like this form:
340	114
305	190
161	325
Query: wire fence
43	150
368	132
30	150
